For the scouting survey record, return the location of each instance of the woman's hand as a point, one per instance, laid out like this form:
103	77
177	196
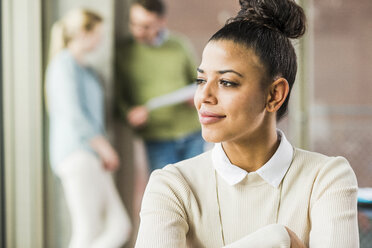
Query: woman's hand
107	153
295	241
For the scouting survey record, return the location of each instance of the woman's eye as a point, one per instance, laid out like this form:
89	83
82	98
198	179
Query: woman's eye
200	81
228	83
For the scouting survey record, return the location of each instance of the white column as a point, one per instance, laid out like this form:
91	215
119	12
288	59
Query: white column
23	115
302	92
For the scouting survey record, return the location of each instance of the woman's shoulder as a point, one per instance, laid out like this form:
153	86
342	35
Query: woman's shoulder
322	166
186	175
62	57
63	62
196	167
317	159
193	167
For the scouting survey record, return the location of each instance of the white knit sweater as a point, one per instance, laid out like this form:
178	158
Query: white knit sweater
189	205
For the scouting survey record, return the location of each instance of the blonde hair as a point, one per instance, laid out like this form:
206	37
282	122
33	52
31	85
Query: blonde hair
64	30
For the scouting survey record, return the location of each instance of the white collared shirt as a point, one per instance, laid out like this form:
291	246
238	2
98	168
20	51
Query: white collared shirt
272	171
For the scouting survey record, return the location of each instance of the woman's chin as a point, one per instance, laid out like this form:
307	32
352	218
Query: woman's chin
211	137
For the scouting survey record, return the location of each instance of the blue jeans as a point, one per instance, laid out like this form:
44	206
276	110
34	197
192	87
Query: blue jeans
161	153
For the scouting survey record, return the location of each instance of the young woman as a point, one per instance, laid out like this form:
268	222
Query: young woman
80	154
253	189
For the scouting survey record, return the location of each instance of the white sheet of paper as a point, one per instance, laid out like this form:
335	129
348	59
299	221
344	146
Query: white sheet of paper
178	96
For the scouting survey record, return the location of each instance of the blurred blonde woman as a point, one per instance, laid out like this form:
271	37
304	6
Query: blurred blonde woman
80	154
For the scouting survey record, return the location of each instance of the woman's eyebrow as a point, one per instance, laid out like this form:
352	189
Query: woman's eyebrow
230	71
223	72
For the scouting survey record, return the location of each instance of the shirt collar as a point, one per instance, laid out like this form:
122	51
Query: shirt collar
272	171
161	38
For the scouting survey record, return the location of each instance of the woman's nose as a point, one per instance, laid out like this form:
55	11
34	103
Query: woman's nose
206	93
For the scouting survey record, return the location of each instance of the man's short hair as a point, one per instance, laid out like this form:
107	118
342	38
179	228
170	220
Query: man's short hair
156	6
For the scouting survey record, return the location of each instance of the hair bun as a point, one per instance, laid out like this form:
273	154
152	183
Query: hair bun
284	16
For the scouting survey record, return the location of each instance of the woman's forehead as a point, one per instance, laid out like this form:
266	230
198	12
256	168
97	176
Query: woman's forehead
226	53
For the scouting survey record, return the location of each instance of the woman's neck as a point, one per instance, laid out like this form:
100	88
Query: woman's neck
77	52
252	153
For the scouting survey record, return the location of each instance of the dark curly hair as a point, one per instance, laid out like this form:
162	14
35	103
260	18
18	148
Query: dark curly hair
266	26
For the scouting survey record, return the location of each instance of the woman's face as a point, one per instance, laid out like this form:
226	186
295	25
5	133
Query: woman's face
92	39
230	98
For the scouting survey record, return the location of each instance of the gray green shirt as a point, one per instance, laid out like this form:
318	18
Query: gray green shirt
144	72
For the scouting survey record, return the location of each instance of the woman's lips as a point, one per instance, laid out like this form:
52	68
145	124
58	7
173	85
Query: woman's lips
206	117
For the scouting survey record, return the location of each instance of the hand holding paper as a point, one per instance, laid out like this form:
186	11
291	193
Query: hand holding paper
137	116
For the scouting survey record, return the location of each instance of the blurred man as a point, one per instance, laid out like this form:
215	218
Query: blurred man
150	66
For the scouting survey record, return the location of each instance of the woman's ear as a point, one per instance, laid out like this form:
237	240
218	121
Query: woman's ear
277	93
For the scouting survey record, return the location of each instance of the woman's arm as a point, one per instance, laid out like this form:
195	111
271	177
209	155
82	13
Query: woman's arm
333	207
163	217
270	236
63	100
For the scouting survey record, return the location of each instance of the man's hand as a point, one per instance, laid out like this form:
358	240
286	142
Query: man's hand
137	116
190	102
